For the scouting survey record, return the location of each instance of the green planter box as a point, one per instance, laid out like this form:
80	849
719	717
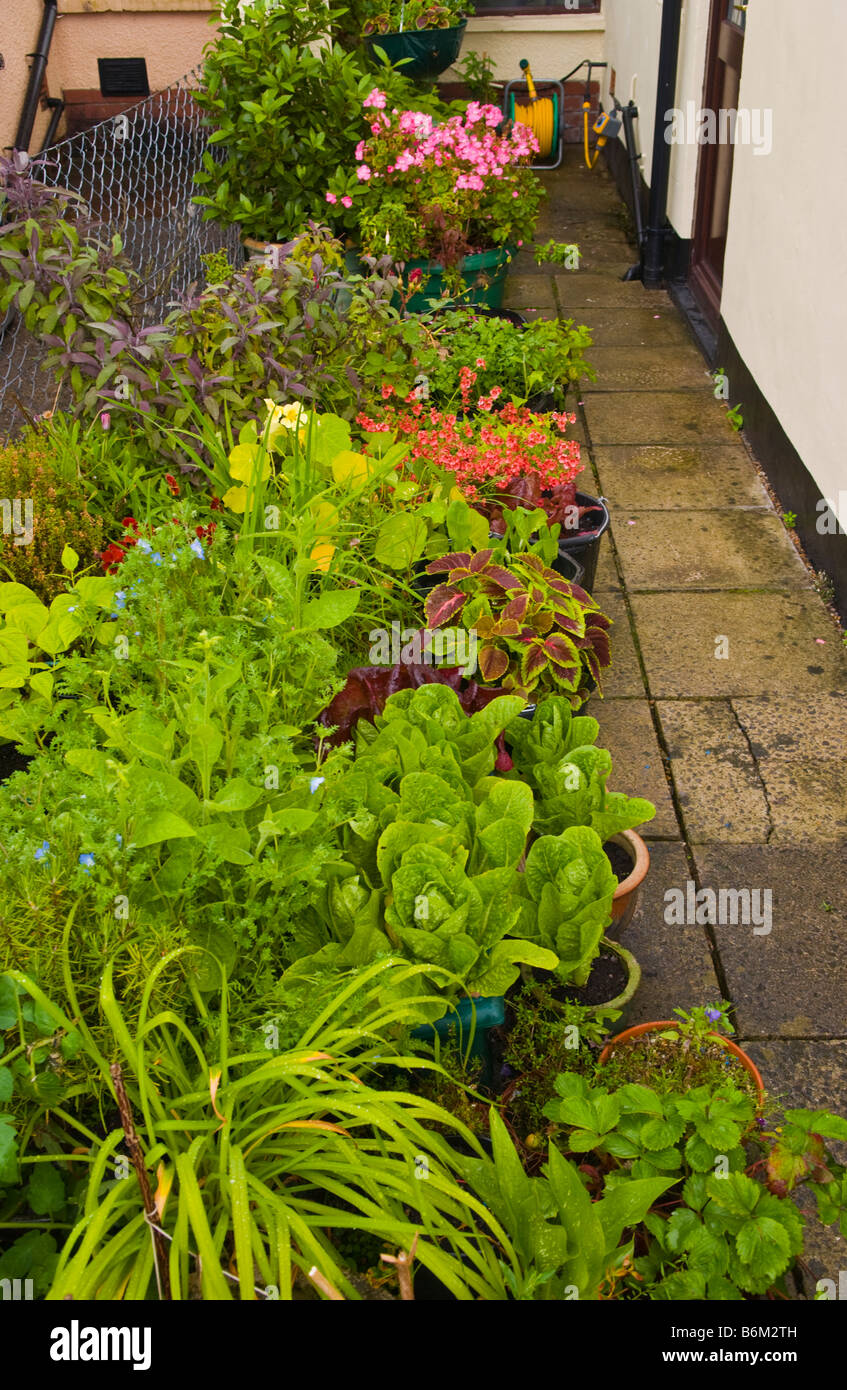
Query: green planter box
485	274
430	51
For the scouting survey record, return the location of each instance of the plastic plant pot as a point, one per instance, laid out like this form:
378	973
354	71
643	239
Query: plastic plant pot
585	544
429	51
626	894
472	1020
663	1025
485	274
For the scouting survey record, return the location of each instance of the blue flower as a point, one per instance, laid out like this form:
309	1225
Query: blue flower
120	599
144	546
43	850
119	838
156	558
86	860
315	783
713	1015
197	549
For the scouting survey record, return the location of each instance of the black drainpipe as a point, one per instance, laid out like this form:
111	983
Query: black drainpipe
36	75
654	244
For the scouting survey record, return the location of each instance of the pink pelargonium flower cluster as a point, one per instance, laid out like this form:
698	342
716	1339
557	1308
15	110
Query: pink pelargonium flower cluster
468	144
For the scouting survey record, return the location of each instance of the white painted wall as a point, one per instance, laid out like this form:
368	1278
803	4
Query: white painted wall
633	30
553	44
784	301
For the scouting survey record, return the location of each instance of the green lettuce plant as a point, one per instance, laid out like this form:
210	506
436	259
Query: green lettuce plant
555	753
570	885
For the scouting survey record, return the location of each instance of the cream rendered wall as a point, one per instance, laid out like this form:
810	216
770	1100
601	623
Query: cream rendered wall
783	297
168	33
633	29
553	44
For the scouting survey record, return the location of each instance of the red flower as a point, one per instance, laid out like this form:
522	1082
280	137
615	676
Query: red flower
216	504
111	557
172	484
130	521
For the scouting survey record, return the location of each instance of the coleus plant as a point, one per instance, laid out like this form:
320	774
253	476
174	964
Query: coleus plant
537	631
555	753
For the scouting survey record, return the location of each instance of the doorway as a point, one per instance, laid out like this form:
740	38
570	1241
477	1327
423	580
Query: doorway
725	50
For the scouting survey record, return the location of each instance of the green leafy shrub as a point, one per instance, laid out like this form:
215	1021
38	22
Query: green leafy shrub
30	476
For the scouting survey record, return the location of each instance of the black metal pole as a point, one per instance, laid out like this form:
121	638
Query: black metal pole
36	75
654	248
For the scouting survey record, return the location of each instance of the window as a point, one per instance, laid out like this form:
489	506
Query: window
736	14
536	7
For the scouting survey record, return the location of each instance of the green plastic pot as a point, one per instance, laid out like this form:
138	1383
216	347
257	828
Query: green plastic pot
429	51
485	273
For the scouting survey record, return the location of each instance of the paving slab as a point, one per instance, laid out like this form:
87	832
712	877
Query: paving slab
655	417
810	1076
678	367
641	324
791	981
531	292
770	640
624	676
606	579
729	549
677	969
626	729
694	477
717	780
780	728
592	289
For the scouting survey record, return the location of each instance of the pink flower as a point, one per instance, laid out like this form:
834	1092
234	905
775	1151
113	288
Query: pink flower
105	419
363	173
360	150
331	198
480	362
348	203
375	98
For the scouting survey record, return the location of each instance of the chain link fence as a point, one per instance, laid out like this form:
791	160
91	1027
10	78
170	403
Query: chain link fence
135	172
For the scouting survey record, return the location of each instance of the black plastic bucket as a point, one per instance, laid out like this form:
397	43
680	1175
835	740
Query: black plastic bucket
584	545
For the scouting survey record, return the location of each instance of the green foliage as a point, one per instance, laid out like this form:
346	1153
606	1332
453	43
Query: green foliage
477	72
60	516
272	1156
286	105
556	755
545	355
538	632
567	1246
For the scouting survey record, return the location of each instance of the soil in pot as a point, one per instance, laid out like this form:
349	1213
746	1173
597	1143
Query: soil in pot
621	862
664	1064
608	980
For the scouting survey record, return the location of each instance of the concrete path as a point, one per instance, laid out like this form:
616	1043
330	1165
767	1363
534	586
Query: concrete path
726	704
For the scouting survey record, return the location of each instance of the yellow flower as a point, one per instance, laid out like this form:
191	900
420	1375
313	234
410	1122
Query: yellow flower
235	499
285	417
321	556
243	463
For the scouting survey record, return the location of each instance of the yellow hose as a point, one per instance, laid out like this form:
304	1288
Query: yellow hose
586	107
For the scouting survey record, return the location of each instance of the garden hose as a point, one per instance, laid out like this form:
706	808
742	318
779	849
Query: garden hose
586	107
541	114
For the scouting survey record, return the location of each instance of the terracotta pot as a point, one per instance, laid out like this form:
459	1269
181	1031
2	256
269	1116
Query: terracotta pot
626	893
662	1024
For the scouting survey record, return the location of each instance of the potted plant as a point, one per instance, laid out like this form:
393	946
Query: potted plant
502	459
424	37
557	756
449	200
537	632
533	363
285	102
692	1049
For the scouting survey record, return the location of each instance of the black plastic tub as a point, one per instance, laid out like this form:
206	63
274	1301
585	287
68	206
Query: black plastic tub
584	545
